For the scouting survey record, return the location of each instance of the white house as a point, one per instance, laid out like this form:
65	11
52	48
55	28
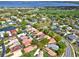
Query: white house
2	34
17	53
21	34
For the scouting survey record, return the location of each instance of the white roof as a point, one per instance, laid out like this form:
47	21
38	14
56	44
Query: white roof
19	20
13	41
53	46
1	35
21	34
17	53
44	18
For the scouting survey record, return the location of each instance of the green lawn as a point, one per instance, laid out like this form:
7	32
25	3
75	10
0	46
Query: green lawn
45	54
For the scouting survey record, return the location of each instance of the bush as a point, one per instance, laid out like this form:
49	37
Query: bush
1	42
23	24
58	38
40	44
6	35
62	47
8	50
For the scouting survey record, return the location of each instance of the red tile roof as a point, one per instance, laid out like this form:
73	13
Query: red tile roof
15	48
51	52
27	42
30	48
13	31
52	40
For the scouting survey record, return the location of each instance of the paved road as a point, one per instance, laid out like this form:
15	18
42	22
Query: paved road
3	50
69	50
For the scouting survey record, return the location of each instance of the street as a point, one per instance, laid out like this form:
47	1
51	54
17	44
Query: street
69	50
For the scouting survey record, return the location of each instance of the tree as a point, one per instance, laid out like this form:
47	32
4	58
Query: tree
8	50
23	24
19	31
1	42
44	41
34	42
50	33
62	47
46	31
6	34
36	25
0	23
40	44
58	38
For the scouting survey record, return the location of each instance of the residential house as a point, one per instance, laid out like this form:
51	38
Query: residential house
51	52
72	37
29	49
27	42
17	53
9	33
15	48
23	37
53	46
40	35
14	32
2	34
32	30
51	40
76	26
22	34
13	43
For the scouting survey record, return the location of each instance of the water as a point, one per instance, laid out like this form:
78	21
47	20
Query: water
34	4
